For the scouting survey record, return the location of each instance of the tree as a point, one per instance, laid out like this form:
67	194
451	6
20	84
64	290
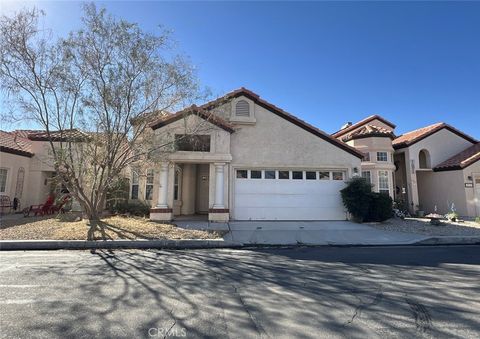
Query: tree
86	89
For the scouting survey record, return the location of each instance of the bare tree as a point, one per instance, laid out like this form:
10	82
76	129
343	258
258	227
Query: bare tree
86	89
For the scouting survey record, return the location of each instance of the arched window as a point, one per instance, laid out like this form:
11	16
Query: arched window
424	159
20	180
242	109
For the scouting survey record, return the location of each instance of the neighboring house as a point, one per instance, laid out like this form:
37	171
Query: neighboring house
250	160
431	167
373	137
26	171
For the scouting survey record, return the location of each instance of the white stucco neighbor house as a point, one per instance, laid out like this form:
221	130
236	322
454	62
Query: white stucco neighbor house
254	161
429	168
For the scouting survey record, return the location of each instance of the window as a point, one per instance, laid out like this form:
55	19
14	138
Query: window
311	175
242	174
134	193
192	143
3	179
176	185
270	174
366	156
283	175
242	109
255	174
383	182
297	175
367	176
382	156
149	185
324	175
20	180
337	175
423	159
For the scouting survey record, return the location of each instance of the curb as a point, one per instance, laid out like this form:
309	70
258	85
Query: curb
450	240
25	245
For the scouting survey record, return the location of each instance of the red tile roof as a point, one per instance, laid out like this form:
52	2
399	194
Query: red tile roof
368	131
283	114
360	123
64	135
208	116
415	136
10	142
461	160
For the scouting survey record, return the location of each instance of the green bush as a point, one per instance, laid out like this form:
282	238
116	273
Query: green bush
477	220
380	208
356	198
135	208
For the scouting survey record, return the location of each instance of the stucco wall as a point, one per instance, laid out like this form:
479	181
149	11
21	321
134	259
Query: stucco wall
442	189
12	163
473	202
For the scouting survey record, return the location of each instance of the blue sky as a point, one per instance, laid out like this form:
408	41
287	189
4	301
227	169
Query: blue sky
415	63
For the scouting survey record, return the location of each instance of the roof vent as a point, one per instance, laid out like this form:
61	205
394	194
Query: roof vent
348	124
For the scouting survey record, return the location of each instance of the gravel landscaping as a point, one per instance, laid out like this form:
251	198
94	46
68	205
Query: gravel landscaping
116	227
423	226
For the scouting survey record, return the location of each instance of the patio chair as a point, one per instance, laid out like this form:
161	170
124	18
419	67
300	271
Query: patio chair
58	207
43	209
5	203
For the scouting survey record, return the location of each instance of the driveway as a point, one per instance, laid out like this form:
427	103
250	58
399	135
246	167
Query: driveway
327	292
305	232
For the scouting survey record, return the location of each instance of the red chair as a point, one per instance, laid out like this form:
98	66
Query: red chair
43	209
59	206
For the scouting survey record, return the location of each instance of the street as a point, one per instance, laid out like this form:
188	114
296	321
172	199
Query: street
356	292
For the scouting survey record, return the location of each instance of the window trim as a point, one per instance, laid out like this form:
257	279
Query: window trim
241	170
289	176
147	184
369	176
132	183
332	175
250	174
380	189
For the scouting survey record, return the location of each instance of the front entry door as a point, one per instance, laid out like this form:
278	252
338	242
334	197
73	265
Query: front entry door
202	188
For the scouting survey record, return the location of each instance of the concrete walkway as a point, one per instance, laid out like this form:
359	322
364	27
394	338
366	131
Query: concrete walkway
305	232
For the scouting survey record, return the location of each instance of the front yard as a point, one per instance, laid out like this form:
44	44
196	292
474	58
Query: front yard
423	226
112	228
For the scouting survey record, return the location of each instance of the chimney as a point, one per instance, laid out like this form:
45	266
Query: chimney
348	124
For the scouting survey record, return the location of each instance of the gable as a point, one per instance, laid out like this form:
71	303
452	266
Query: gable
372	120
276	141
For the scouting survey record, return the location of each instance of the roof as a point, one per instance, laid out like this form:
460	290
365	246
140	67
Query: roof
415	136
461	160
13	143
367	131
361	123
64	135
208	116
283	114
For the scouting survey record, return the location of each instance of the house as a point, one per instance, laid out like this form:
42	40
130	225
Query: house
428	169
240	157
26	170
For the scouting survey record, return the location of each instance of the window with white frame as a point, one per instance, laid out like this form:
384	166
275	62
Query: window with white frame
367	176
176	185
149	185
382	156
134	190
3	179
383	186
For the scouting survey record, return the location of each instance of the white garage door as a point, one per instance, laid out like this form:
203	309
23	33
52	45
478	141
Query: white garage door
288	195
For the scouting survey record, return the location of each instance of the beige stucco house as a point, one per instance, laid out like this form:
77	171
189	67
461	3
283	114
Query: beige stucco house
429	169
26	171
247	160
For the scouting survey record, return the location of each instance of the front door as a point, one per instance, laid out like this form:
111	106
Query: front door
202	188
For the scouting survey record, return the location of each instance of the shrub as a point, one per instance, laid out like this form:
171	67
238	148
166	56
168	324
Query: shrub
477	220
452	216
135	208
356	198
380	208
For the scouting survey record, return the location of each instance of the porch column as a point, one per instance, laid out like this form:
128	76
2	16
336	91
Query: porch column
219	172
162	190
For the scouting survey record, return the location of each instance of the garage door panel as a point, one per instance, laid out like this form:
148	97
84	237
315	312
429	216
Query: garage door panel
264	199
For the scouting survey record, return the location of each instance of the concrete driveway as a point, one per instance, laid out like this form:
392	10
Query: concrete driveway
305	232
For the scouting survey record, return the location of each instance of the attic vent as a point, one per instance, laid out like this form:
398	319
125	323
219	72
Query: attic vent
242	109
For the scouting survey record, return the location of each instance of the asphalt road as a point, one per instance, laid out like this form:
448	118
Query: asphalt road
277	293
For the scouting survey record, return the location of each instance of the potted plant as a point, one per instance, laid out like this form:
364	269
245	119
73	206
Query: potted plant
420	212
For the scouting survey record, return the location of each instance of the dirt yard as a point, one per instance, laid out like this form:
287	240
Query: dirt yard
423	226
111	228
